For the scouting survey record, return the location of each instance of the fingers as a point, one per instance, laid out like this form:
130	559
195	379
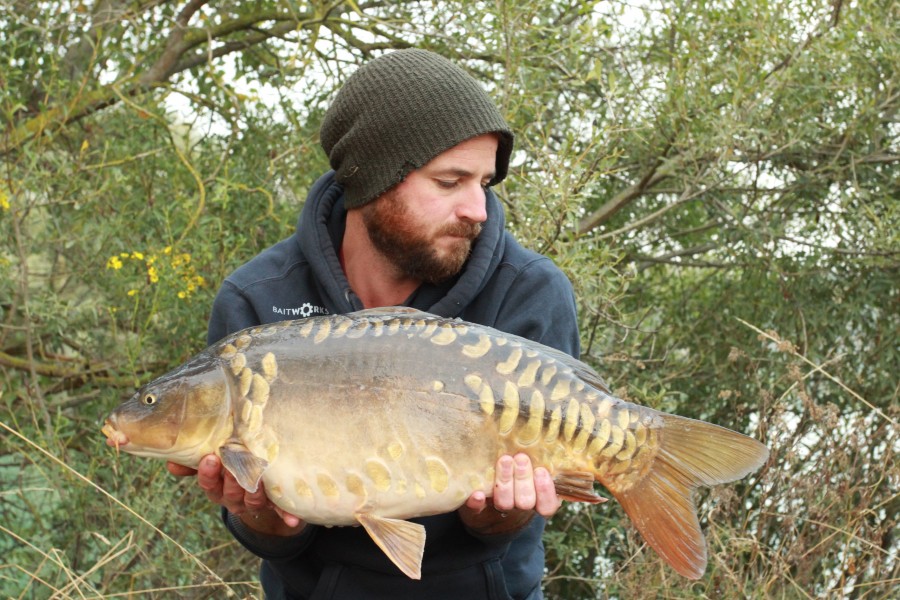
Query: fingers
504	488
222	488
180	470
514	483
253	501
209	478
546	501
477	502
518	485
289	519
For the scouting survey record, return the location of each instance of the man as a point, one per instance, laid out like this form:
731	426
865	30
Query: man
405	218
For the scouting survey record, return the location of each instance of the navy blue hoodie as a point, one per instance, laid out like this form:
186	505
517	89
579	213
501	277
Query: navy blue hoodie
502	285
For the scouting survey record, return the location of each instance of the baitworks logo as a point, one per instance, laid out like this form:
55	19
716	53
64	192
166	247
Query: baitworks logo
305	310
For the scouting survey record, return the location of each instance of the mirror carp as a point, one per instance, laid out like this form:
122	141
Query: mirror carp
378	416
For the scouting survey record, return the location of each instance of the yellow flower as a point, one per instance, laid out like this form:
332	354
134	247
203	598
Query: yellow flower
132	292
137	255
114	263
182	295
4	200
181	259
153	274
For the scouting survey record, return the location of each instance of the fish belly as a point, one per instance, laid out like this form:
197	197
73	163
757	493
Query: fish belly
389	452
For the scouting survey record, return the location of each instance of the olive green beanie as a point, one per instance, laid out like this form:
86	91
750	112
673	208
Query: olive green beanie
396	113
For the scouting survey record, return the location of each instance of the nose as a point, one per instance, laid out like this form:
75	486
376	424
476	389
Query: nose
472	204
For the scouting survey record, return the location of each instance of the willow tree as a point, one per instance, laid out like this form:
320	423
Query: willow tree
718	180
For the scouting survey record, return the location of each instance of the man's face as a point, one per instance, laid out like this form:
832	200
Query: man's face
426	224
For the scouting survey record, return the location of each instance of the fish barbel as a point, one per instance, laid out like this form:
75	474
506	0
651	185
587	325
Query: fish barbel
378	416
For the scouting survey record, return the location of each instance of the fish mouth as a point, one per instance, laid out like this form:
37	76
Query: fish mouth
114	437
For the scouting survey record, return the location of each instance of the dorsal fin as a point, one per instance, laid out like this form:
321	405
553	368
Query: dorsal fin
584	372
390	311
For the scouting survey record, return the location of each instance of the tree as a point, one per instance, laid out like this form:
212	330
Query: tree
718	181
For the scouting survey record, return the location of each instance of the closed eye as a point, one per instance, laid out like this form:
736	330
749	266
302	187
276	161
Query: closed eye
449	185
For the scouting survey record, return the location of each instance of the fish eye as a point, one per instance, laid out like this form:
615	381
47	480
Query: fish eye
149	399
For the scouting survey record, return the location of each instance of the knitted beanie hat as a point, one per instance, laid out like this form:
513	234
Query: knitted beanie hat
396	113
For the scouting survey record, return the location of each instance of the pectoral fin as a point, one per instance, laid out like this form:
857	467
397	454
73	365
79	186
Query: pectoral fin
403	542
243	464
577	486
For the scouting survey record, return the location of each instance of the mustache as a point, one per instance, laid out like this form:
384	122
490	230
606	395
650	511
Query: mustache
469	231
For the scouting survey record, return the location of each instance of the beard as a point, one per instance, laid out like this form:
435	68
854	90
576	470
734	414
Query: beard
412	252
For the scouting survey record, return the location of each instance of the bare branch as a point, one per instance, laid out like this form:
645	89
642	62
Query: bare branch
623	199
96	374
253	39
76	59
834	19
161	69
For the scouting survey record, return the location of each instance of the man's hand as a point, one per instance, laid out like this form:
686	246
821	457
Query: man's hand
519	491
254	509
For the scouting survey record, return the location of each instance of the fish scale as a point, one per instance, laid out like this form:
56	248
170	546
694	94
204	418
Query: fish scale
583	424
379	416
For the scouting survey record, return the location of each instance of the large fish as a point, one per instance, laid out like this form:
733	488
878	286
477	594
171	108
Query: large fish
378	416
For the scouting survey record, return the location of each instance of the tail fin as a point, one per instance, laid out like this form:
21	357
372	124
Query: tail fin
661	504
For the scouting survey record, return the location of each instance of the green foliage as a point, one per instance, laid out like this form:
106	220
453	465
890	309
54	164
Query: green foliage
718	180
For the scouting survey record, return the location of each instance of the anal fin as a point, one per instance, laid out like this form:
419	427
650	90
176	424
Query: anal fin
402	541
577	486
246	467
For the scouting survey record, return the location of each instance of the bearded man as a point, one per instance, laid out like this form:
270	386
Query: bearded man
405	218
